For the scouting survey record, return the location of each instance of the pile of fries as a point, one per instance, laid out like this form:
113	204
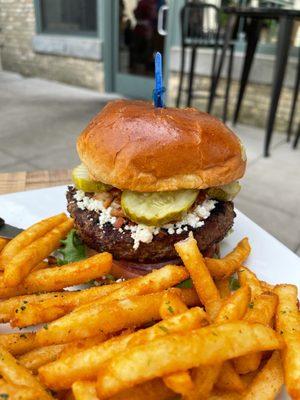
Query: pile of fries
209	329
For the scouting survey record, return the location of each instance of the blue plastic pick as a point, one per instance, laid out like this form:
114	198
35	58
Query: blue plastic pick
159	88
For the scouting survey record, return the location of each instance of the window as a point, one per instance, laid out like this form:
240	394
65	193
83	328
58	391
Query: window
70	17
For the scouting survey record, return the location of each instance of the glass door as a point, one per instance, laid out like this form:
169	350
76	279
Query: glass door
138	30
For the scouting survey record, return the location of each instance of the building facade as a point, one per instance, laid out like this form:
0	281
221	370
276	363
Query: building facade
107	45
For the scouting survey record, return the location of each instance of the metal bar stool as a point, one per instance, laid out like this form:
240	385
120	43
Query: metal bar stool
200	27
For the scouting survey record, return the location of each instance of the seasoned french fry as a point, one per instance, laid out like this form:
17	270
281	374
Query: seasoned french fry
247	277
179	382
7	307
13	392
223	287
56	278
37	315
171	304
84	390
18	343
220	395
266	287
235	306
261	310
288	325
181	352
229	380
28	236
107	318
189	296
233	309
156	281
248	363
15	373
3	243
62	373
204	378
34	312
83	344
40	356
268	381
225	267
41	265
203	282
49	311
37	303
152	390
37	357
17	268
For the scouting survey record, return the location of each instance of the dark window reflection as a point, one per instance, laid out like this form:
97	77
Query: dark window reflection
138	36
69	16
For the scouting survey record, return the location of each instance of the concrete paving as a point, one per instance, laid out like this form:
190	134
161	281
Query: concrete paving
40	121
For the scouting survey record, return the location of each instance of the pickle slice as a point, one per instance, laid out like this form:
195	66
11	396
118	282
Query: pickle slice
157	208
82	180
225	192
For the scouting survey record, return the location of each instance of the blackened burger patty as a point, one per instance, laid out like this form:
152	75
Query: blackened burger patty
108	238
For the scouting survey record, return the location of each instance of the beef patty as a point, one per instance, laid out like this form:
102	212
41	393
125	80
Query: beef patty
161	248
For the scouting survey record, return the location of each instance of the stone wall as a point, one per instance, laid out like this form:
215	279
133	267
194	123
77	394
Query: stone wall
17	22
255	105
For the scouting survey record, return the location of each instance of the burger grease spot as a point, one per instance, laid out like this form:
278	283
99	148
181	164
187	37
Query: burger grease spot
141	233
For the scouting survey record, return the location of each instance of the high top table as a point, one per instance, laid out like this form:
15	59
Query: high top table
254	18
20	181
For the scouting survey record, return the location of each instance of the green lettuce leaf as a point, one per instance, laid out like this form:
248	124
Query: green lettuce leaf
73	249
187	284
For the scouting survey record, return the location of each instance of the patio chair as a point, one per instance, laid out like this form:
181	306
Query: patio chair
200	28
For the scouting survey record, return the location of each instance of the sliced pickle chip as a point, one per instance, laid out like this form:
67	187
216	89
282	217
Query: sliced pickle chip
157	208
82	180
225	192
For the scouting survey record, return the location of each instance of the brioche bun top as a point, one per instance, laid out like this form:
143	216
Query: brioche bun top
133	145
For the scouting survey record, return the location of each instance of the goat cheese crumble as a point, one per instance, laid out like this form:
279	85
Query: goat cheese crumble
141	233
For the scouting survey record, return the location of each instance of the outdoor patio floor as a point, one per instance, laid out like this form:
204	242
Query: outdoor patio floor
40	121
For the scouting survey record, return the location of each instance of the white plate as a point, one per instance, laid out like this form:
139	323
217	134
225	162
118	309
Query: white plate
269	259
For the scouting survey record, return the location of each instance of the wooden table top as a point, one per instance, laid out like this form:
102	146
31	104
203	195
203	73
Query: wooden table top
19	181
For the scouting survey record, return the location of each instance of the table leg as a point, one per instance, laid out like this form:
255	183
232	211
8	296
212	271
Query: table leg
283	44
295	144
228	84
231	23
294	102
191	77
253	32
182	65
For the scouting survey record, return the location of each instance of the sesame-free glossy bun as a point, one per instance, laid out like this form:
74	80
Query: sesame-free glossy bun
133	145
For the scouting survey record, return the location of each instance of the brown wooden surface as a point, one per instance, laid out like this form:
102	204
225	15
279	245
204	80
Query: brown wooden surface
19	181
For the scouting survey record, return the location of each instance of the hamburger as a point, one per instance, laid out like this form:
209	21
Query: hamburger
150	176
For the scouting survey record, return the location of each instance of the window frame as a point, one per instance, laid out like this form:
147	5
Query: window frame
39	21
